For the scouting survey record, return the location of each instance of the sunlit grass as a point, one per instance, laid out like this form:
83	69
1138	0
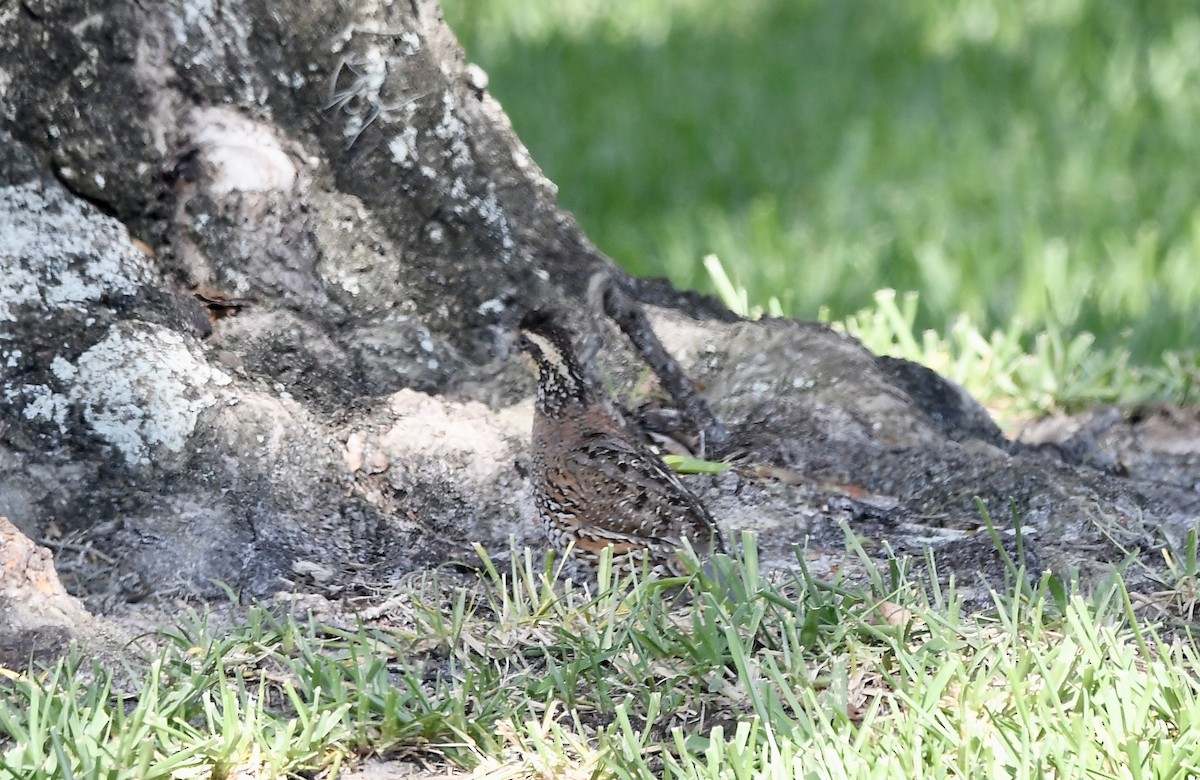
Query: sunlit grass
1027	161
525	675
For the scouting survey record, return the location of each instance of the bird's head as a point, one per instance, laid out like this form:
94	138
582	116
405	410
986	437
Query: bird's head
547	350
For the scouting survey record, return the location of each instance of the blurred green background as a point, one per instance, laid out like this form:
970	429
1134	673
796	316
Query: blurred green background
1028	160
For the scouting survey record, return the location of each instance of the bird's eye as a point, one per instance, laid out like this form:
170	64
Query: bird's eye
524	343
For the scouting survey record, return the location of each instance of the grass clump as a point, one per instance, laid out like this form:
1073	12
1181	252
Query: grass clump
525	675
265	698
1017	374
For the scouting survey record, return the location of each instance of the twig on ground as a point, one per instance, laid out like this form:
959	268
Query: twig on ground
630	317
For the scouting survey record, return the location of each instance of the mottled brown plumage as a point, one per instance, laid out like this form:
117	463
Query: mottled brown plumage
597	485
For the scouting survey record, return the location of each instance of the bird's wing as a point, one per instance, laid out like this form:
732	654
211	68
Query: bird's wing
646	498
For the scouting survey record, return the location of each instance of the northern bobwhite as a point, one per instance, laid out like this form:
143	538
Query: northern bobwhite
596	484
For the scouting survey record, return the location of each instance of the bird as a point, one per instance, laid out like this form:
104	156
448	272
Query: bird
597	485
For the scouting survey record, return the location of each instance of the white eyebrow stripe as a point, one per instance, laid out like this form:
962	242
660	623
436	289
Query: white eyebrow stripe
544	344
551	352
